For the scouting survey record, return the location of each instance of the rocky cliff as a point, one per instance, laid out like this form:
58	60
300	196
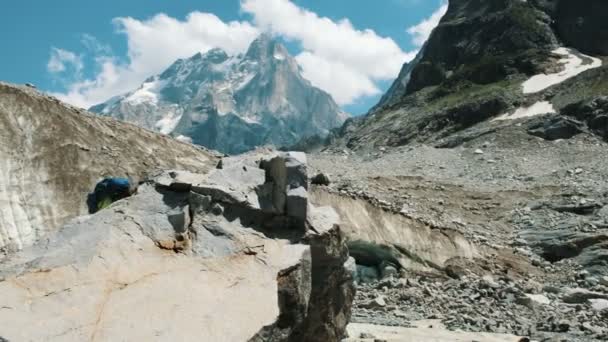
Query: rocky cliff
488	59
483	42
583	25
51	156
231	103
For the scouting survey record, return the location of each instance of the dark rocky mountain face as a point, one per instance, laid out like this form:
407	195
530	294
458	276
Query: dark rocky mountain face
584	25
399	87
231	103
487	59
483	42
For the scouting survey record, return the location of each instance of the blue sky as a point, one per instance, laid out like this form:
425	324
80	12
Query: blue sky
87	51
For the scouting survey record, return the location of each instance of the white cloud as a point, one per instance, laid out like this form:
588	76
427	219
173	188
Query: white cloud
422	31
107	83
337	57
153	45
156	43
330	47
61	60
345	84
93	45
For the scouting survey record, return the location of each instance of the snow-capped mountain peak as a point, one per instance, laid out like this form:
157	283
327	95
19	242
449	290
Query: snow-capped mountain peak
231	103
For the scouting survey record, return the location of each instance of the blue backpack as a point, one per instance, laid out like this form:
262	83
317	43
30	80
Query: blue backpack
113	187
108	191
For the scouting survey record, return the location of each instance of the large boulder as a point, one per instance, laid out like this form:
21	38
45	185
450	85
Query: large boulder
185	258
581	296
555	127
590	250
593	112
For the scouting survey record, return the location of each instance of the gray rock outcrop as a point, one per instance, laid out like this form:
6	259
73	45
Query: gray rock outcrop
186	257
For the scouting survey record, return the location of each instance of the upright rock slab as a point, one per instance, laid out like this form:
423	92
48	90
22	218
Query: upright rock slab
288	176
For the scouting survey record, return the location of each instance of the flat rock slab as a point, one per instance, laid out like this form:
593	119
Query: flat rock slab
230	185
145	294
103	278
420	334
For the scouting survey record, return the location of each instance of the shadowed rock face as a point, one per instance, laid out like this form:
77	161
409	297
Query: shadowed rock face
589	116
584	25
185	253
593	112
475	67
52	155
487	40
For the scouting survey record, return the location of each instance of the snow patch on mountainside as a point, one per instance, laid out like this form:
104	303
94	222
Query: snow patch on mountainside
244	81
539	108
250	120
226	66
279	56
111	102
168	123
573	65
147	93
184	139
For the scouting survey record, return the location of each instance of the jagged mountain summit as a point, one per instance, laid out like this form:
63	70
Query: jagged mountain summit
231	103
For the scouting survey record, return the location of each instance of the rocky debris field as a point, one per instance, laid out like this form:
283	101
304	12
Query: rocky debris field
534	210
426	330
487	304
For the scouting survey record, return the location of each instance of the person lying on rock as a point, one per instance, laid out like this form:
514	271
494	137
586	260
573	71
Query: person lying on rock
108	191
